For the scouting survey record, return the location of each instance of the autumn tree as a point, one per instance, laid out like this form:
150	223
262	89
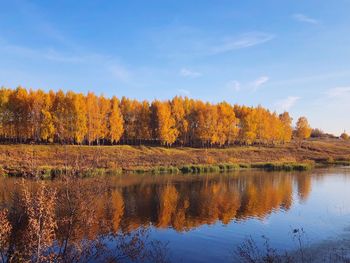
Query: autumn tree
227	125
69	117
204	120
47	128
164	123
104	110
178	109
249	126
93	118
115	121
6	116
303	129
286	128
129	111
19	106
79	118
143	124
60	116
263	121
35	104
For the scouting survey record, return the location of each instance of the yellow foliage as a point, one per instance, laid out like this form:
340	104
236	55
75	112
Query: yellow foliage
303	129
77	118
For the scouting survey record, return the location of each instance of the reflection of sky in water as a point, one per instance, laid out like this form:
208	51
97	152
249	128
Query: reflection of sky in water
324	214
204	217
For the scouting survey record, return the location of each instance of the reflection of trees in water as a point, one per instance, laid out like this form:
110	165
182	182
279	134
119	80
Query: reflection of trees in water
71	225
94	214
304	186
168	202
117	207
184	206
263	196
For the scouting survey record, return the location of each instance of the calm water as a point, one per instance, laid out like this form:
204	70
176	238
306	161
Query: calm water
203	218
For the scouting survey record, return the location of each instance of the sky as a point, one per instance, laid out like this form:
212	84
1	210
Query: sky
284	55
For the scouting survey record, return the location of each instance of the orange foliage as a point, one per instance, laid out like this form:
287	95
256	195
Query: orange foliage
75	118
303	129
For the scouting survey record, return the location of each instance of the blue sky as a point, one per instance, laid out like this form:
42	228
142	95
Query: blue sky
285	55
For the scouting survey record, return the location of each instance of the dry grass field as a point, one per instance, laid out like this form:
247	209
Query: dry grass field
126	157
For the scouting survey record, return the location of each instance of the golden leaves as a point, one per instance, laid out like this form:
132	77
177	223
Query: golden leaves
75	118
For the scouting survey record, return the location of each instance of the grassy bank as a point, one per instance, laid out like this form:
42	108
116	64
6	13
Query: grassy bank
52	160
56	172
225	167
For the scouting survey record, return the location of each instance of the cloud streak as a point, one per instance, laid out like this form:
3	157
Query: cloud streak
192	42
113	69
120	73
256	84
184	92
243	41
233	85
49	54
287	103
253	86
305	19
187	73
338	92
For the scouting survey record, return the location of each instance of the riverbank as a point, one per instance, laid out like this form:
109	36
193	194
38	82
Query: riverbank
34	160
47	172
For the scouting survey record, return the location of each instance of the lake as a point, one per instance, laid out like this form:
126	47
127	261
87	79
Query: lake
195	218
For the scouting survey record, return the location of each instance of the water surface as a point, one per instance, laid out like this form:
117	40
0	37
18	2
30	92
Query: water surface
203	218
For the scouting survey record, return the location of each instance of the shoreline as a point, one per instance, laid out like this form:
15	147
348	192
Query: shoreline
50	161
58	172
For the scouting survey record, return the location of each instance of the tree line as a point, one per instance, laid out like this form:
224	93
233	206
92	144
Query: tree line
75	118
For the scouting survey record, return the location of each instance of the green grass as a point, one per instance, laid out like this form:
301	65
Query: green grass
49	172
270	166
331	162
283	166
154	170
344	163
201	168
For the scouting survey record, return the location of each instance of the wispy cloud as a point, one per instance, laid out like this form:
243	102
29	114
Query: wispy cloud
53	55
305	19
44	53
62	50
115	69
120	73
184	92
256	84
233	85
252	86
287	103
193	42
321	76
338	92
243	41
187	73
